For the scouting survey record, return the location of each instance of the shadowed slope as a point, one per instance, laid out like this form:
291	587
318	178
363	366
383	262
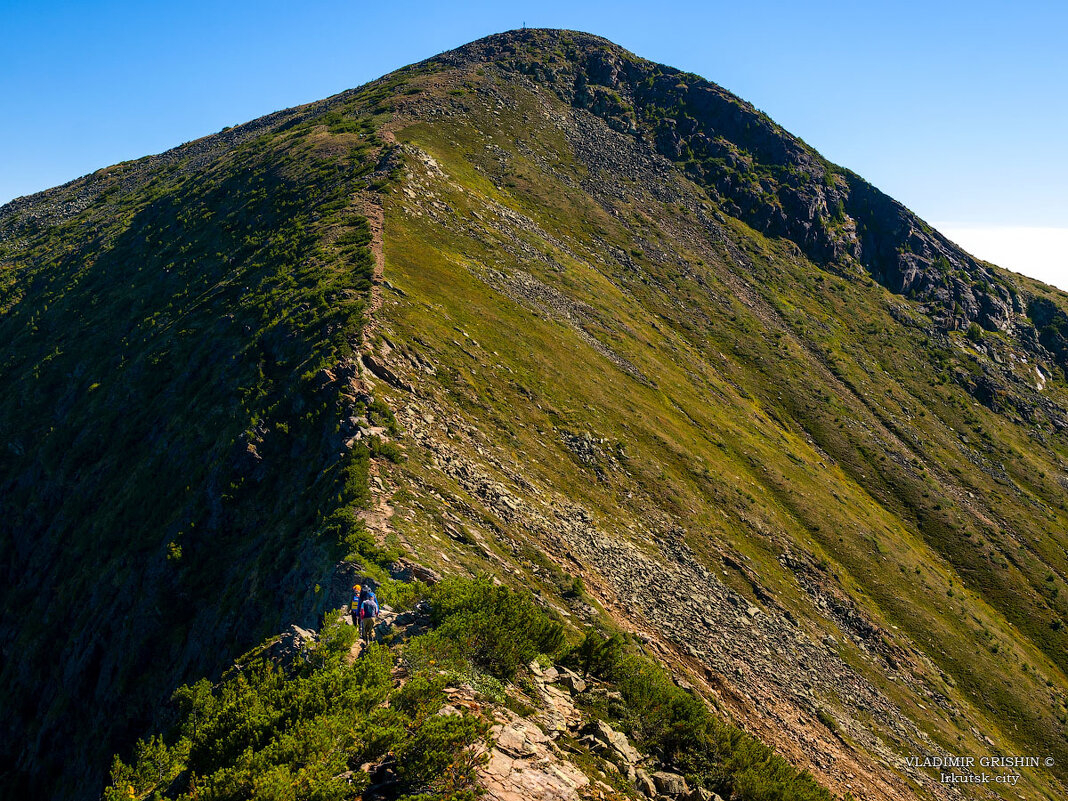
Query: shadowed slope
171	436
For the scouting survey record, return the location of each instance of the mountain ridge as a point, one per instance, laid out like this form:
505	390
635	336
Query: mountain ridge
729	348
916	260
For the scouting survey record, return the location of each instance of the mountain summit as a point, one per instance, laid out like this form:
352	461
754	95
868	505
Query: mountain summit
596	329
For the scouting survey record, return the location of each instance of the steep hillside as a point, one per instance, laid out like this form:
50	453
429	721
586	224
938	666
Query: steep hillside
806	450
173	375
847	500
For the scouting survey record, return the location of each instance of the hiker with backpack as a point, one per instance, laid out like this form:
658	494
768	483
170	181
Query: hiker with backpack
354	606
368	613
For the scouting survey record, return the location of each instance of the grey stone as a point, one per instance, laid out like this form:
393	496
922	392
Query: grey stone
295	644
669	783
614	741
645	784
574	682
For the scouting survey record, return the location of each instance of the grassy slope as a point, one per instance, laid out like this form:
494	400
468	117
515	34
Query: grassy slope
789	410
170	435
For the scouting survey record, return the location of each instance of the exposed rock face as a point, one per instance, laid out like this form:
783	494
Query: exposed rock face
524	764
645	784
294	645
700	794
574	683
1051	327
762	174
614	742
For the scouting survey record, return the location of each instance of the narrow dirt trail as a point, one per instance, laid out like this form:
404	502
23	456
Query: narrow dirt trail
370	205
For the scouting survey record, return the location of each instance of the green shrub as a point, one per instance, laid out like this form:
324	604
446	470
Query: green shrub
678	727
380	414
436	760
421	696
602	656
266	733
399	595
345	527
495	628
385	449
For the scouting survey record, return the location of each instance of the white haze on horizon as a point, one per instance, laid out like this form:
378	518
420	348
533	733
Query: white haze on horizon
1040	253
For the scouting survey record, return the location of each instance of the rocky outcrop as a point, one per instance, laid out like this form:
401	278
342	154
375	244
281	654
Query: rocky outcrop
755	169
613	743
294	645
524	764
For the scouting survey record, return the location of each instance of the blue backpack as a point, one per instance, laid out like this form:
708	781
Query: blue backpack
369	607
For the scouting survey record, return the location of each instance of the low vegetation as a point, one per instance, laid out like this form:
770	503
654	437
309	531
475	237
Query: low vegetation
318	728
683	358
678	727
303	733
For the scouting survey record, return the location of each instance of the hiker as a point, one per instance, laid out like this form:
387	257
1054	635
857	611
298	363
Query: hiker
354	608
368	613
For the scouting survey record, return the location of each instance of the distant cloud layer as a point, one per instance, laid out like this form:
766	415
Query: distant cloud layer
1041	253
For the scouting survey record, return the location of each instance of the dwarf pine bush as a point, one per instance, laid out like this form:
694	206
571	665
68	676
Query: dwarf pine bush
267	733
304	732
680	729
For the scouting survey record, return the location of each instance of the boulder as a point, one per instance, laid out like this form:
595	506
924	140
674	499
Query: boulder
557	713
405	570
700	794
573	681
293	646
522	765
671	784
644	782
615	742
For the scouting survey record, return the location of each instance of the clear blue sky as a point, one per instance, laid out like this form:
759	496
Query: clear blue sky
958	109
